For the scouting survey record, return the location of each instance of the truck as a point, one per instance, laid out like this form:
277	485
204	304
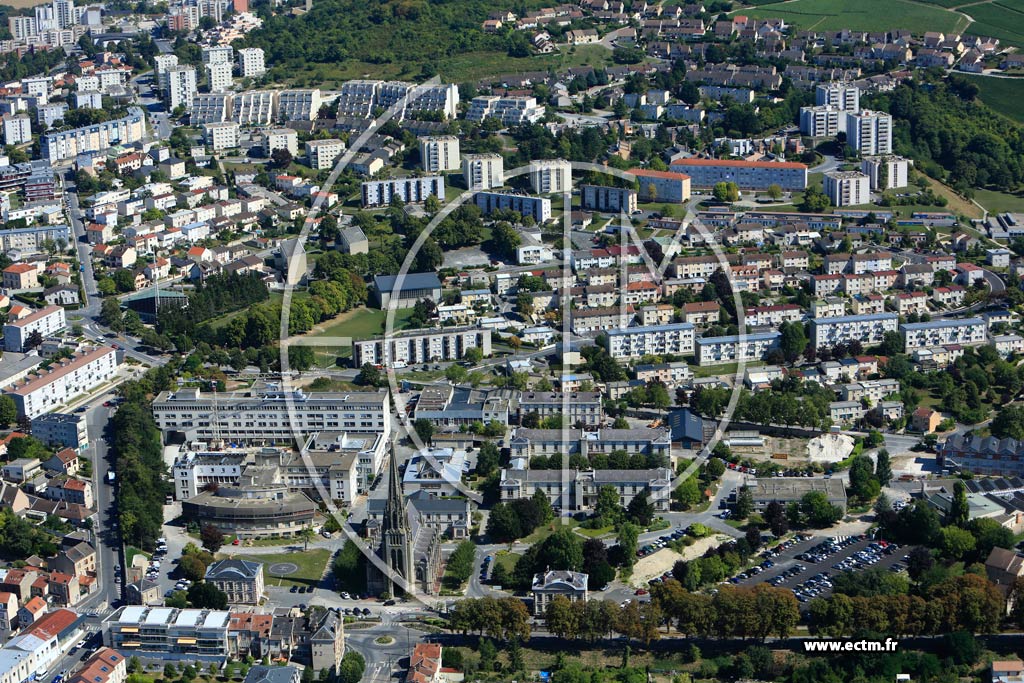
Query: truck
111	476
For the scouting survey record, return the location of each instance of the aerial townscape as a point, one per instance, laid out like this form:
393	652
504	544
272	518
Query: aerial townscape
454	341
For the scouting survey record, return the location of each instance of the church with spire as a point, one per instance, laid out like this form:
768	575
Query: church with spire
408	551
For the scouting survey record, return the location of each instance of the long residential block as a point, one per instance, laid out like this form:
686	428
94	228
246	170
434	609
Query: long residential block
95	138
46	321
408	190
421	346
965	331
749	175
651	340
733	348
45	392
867	329
538	207
268	415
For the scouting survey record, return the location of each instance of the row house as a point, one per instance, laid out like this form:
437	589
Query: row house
702	313
868	304
949	297
601	319
772	316
911	302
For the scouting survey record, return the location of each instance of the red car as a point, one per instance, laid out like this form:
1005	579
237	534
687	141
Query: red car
640	591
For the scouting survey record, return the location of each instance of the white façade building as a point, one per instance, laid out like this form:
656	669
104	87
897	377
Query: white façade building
964	331
408	190
654	340
483	171
604	198
46	321
61	382
733	348
867	329
421	346
269	415
439	153
551	175
537	207
847	188
896	172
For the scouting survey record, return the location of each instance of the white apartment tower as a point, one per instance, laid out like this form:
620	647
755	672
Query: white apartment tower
896	172
163	63
842	96
847	188
869	132
551	175
439	153
219	76
218	54
822	121
17	129
483	171
181	86
251	63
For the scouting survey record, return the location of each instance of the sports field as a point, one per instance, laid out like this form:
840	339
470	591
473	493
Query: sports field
863	15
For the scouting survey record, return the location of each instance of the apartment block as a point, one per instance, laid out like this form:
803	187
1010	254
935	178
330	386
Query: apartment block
42	393
169	633
69	144
251	62
408	190
17	129
538	207
577	491
869	132
886	172
322	154
219	75
267	414
511	111
281	138
749	175
298	105
361	97
663	186
483	171
964	331
603	198
439	153
822	121
733	348
221	136
579	407
654	340
866	329
772	316
421	346
842	96
847	188
180	86
46	321
551	175
218	54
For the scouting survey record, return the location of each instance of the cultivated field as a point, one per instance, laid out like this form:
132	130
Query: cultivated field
1002	94
865	15
1002	19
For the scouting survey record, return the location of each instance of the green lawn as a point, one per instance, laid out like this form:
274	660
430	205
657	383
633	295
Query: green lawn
1002	94
468	66
218	323
999	202
310	565
865	15
363	323
506	559
1002	19
544	531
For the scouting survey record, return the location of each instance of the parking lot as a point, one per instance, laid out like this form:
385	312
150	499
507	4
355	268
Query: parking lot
806	565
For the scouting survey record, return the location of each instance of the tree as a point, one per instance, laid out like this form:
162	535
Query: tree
640	510
8	411
505	239
819	511
207	596
628	536
212	537
280	158
1009	422
503	524
793	341
744	503
919	561
110	315
775	517
424	429
192	568
432	204
725	192
607	507
488	459
369	375
351	668
883	467
959	510
862	478
774	191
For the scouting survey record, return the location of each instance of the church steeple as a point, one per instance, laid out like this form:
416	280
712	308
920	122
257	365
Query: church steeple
394	508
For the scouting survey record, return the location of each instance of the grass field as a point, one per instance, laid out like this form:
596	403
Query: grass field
465	67
1002	19
310	565
1000	202
1002	94
865	15
363	323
